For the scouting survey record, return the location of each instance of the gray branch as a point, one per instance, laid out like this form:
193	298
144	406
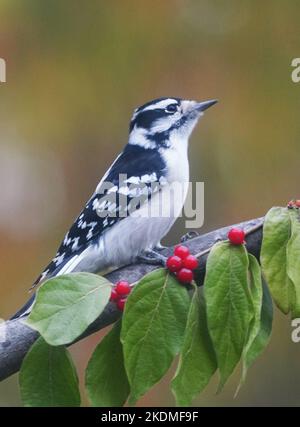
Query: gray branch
16	338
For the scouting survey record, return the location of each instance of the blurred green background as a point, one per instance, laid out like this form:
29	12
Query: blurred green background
76	70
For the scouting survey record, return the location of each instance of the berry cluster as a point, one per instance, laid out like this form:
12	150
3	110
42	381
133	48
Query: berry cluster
293	204
119	294
182	263
236	236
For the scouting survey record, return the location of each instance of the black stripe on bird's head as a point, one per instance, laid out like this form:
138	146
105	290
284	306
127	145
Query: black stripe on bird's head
146	115
158	118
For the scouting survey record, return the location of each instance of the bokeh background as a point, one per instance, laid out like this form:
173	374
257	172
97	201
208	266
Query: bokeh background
76	70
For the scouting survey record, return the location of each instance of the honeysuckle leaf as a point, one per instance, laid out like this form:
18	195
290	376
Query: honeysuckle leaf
276	235
293	260
262	338
66	305
256	290
48	377
153	327
228	303
197	362
106	379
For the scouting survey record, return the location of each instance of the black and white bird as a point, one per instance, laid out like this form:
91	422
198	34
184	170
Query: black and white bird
113	229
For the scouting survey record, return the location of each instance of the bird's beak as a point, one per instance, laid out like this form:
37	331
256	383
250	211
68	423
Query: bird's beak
193	109
202	106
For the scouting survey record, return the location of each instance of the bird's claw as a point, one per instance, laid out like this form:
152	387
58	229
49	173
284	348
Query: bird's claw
188	236
152	257
159	247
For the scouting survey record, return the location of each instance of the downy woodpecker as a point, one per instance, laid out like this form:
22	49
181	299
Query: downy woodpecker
110	233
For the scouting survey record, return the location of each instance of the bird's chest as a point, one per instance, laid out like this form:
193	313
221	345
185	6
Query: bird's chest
177	166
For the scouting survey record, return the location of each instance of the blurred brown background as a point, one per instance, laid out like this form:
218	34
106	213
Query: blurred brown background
76	70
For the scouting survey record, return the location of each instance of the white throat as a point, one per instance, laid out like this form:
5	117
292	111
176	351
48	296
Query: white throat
176	158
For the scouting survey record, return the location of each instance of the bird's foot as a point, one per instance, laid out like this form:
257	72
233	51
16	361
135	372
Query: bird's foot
152	257
159	247
188	236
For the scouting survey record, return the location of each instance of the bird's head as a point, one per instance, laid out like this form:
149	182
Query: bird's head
159	122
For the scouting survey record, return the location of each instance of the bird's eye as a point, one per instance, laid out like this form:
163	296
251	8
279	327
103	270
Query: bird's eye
172	108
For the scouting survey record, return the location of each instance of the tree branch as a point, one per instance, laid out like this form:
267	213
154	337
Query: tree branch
16	338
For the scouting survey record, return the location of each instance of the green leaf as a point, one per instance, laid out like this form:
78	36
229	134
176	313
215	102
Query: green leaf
228	303
256	290
66	305
153	327
263	336
276	234
197	361
106	380
48	377
293	260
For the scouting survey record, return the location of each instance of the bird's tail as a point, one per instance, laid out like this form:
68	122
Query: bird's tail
69	266
25	310
27	307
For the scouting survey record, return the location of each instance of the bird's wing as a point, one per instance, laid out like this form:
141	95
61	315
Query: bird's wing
132	175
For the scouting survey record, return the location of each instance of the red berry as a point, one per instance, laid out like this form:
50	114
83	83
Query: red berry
121	304
185	275
190	262
297	203
236	236
114	296
291	203
181	251
174	263
122	288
